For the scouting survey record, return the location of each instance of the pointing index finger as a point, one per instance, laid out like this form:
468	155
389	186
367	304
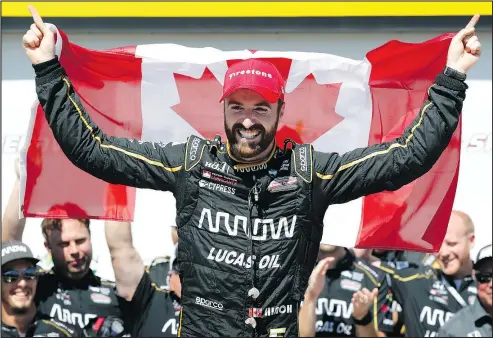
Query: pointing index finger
37	19
474	20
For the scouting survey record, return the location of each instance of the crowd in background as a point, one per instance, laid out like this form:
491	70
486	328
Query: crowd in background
351	292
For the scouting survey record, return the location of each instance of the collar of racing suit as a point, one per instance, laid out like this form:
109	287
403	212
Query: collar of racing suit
237	164
466	281
90	279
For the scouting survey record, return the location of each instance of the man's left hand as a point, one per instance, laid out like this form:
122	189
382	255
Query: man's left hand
362	301
465	48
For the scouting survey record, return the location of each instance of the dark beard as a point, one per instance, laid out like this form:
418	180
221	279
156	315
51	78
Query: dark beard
19	310
266	138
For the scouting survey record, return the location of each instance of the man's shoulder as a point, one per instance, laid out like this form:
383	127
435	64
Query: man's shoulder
47	279
369	271
456	324
405	269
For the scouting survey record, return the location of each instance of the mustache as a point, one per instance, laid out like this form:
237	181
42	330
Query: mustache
239	126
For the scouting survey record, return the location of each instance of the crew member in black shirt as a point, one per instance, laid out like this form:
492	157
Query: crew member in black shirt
148	310
327	311
159	271
429	297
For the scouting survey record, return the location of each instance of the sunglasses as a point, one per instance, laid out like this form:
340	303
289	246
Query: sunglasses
12	276
483	278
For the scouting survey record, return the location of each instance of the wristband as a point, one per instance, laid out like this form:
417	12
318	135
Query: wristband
367	319
454	74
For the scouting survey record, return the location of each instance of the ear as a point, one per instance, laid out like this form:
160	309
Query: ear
47	246
281	110
472	241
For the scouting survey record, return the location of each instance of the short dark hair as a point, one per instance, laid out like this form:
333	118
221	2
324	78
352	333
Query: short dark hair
50	224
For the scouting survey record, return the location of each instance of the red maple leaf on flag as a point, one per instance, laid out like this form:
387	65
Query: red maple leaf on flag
309	113
199	104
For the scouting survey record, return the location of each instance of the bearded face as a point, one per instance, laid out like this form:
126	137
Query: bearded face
250	123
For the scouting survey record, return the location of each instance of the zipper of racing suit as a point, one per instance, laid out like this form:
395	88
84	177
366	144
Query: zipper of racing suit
253	292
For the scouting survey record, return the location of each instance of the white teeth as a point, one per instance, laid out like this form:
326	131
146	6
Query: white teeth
248	134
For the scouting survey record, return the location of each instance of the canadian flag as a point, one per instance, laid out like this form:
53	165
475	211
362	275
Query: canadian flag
166	92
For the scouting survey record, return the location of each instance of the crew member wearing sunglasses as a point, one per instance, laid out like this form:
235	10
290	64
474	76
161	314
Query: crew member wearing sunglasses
20	317
475	320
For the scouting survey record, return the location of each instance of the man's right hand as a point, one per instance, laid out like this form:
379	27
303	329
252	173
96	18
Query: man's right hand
39	40
316	283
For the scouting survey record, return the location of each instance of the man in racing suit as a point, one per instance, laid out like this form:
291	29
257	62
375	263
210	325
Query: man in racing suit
249	214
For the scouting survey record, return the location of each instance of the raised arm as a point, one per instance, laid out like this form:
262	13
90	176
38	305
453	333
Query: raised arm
12	225
127	264
112	159
391	165
307	316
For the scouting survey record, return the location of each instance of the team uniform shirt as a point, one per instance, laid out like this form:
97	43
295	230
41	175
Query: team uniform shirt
158	271
152	312
428	298
334	307
44	326
397	260
76	302
471	321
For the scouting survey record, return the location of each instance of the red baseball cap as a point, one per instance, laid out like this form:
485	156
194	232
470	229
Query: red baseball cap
257	75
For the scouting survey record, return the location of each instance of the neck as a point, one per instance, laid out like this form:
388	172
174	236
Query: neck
73	279
19	321
374	260
464	271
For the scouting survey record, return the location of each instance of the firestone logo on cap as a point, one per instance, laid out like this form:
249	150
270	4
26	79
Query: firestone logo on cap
250	71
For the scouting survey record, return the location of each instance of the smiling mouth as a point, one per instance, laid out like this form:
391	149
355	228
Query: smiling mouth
22	295
248	134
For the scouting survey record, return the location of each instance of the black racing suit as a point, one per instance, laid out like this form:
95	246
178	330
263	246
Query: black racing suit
79	302
245	228
152	312
44	326
334	307
426	298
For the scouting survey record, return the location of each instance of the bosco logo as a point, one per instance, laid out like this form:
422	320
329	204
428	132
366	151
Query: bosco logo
194	148
302	154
